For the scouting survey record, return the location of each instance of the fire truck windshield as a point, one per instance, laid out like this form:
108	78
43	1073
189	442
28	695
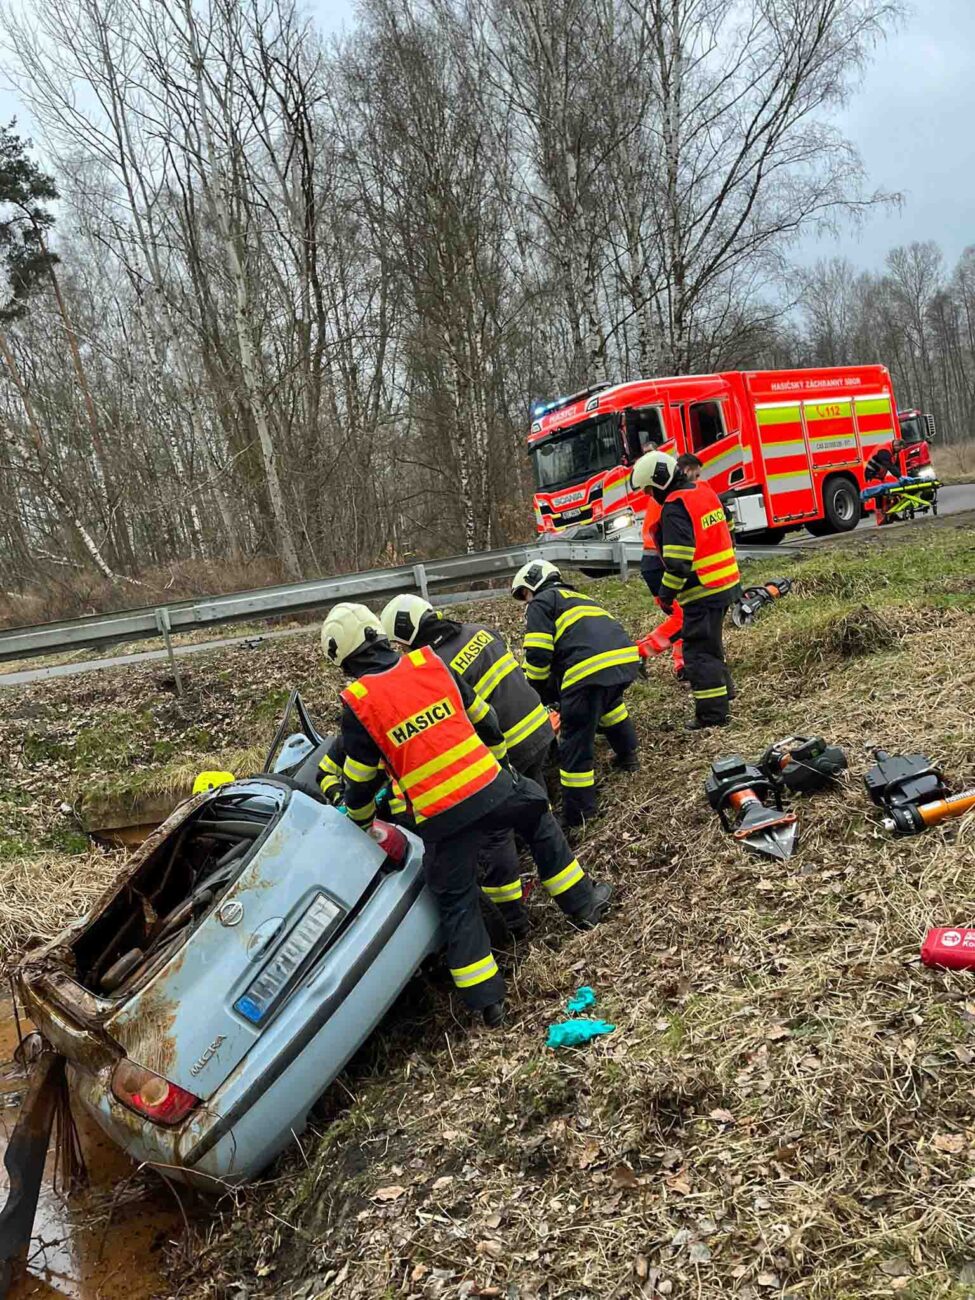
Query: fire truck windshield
578	453
911	430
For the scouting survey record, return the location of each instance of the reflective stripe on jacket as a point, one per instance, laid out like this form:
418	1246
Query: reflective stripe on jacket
572	641
482	658
415	716
705	564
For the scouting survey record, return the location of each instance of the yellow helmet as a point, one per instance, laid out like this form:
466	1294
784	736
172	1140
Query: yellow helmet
404	615
211	780
347	628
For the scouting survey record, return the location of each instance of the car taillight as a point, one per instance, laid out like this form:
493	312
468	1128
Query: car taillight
150	1095
391	840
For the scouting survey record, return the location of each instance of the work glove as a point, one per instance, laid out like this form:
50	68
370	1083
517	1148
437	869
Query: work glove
666	603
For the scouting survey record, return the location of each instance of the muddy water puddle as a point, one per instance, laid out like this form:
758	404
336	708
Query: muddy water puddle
105	1241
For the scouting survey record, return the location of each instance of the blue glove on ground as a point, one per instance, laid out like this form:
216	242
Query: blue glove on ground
571	1033
582	999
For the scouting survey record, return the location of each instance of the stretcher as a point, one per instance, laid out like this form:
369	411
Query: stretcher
904	498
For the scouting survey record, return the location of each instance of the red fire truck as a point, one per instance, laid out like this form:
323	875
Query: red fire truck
789	445
916	432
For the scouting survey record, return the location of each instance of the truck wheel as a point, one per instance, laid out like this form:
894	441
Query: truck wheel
841	508
765	537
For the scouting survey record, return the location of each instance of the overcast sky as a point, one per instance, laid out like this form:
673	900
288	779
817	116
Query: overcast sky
912	120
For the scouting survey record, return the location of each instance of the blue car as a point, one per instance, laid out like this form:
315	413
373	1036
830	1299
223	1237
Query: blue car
249	949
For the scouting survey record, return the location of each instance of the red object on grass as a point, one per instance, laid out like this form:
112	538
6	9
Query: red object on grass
951	947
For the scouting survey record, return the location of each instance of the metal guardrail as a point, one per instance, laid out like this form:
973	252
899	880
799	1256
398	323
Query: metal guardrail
430	578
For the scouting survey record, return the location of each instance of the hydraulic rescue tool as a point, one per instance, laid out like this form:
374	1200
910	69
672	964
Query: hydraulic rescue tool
749	804
913	793
752	599
803	764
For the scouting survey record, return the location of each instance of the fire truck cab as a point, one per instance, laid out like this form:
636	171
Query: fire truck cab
916	432
787	447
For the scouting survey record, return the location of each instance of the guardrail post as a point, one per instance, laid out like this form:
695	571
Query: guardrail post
420	578
162	622
624	565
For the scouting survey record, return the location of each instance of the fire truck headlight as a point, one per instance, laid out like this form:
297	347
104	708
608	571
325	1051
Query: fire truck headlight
927	472
621	520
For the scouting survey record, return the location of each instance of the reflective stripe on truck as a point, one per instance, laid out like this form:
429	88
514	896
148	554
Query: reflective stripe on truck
790	493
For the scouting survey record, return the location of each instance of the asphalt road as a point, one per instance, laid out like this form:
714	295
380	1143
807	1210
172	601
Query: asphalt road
951	500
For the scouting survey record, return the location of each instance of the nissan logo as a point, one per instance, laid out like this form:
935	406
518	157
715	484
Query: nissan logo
231	912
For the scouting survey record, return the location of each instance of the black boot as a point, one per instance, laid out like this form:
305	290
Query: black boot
517	921
494	1015
590	916
626	762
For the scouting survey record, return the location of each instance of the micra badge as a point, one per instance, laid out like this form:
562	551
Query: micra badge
208	1055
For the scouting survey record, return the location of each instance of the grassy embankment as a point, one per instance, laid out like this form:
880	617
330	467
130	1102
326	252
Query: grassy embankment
786	1102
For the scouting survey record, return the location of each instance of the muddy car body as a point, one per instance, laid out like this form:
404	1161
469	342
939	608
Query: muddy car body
216	990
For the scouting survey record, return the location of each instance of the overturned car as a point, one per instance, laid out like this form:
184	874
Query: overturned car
248	950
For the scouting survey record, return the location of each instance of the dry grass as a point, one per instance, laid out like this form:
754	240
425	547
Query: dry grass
58	592
785	1106
41	894
956	463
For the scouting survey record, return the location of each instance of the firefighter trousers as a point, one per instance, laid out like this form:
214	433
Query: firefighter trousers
704	663
500	865
451	865
584	712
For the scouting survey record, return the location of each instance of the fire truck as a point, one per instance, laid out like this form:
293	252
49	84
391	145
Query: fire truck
787	446
916	432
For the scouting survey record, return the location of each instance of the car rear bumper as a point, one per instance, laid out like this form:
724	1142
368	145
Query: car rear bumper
265	1101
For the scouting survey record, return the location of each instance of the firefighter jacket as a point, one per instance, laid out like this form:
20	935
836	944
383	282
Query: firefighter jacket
572	642
651	524
390	802
482	659
696	546
412	719
881	465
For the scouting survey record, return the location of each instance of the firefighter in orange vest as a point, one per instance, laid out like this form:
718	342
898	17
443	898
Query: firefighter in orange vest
670	631
444	747
700	577
390	804
481	657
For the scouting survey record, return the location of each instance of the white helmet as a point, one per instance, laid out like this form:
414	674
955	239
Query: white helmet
348	628
654	470
531	576
404	616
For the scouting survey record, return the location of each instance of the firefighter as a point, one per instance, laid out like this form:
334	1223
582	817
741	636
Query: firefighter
445	748
690	466
700	575
882	465
481	657
669	632
576	653
391	806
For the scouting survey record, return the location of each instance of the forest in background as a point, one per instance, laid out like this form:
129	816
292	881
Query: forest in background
277	307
